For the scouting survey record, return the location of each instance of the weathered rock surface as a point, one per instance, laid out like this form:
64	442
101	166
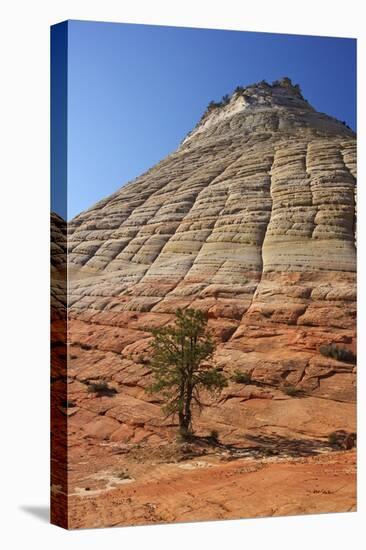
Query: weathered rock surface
208	489
252	220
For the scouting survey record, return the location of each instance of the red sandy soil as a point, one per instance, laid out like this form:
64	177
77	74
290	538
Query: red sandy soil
163	489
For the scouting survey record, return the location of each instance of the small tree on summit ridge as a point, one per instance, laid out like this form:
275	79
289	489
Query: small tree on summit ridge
179	372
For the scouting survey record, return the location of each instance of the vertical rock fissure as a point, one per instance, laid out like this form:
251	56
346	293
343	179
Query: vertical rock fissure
262	243
348	167
309	176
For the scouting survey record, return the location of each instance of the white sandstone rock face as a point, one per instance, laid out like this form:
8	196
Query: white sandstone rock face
237	104
252	220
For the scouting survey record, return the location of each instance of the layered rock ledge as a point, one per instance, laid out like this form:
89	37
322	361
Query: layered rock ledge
251	219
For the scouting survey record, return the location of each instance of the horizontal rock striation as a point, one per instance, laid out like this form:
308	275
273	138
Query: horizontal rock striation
252	220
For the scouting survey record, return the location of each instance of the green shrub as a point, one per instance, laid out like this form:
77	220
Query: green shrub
291	391
338	353
239	90
212	105
342	440
241	377
101	389
217	104
333	439
298	89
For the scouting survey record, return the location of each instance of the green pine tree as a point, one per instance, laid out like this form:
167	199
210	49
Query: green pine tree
179	365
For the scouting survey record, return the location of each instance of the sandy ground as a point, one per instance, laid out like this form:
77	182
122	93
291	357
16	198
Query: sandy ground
133	489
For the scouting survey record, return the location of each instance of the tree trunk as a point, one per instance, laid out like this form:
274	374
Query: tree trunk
184	413
181	415
181	421
187	408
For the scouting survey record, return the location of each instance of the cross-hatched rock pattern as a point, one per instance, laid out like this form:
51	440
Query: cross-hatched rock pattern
252	220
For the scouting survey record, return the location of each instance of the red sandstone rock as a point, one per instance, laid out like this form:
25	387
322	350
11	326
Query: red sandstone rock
101	428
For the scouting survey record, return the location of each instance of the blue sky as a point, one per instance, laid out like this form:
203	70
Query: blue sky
135	91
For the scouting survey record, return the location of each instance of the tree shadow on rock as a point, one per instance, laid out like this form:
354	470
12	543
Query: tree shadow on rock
280	445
